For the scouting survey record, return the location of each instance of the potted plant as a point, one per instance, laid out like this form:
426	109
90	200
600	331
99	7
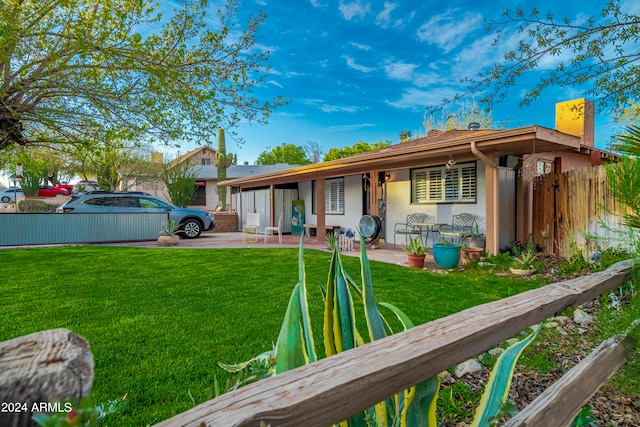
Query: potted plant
523	261
469	254
169	235
474	239
416	251
446	254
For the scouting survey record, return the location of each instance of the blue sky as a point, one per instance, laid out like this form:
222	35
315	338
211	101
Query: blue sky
358	70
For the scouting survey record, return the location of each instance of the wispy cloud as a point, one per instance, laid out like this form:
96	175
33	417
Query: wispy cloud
449	29
347	128
400	70
354	9
316	3
275	83
383	19
351	63
326	108
360	46
417	99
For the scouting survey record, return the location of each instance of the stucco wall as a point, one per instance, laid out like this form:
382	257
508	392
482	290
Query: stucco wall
398	197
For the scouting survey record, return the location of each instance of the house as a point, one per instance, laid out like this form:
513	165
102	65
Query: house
489	173
202	161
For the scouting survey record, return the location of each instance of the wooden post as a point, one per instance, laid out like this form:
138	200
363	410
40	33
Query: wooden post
40	369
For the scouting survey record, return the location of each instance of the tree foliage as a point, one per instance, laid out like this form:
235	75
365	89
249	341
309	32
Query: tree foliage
88	71
180	179
283	153
467	112
624	177
314	151
599	53
357	148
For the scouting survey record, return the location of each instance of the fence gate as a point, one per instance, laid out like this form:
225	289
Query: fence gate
575	211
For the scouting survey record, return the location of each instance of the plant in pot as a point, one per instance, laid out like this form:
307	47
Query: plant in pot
416	251
446	254
474	239
169	235
523	260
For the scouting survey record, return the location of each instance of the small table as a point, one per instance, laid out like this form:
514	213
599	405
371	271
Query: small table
429	227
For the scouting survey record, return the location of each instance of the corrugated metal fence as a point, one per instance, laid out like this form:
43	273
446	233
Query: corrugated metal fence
48	228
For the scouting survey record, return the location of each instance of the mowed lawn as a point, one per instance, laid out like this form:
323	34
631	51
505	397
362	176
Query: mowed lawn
159	320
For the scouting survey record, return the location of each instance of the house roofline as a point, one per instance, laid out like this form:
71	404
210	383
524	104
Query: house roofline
424	152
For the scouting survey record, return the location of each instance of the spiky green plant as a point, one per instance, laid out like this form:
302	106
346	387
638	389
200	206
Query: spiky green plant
223	161
295	347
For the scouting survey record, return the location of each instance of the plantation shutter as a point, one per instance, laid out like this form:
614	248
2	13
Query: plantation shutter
334	196
441	184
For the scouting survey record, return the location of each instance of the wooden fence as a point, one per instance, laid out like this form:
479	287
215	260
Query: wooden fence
338	387
575	208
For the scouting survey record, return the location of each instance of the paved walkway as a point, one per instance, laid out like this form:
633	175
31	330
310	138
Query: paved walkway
383	252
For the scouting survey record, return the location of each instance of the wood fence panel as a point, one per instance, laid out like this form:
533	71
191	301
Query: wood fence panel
340	386
578	210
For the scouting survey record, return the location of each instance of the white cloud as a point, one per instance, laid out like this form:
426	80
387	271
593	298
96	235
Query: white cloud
417	99
351	63
316	3
339	108
449	29
347	128
384	18
360	46
275	83
400	70
355	9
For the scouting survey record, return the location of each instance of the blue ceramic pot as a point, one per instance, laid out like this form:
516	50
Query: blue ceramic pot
446	256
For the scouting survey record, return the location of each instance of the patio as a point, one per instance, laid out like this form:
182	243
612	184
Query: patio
384	252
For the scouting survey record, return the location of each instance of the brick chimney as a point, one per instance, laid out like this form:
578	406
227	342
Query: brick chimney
576	117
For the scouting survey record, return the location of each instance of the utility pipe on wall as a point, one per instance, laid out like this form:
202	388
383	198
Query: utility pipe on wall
493	245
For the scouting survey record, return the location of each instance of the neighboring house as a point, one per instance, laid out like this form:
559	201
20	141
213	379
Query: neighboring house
202	160
489	173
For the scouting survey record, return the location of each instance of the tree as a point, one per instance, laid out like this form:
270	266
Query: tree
405	135
357	148
283	153
223	161
467	112
314	151
624	177
89	71
600	53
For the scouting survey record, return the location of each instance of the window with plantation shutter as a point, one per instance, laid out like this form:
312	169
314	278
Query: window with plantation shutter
334	196
444	185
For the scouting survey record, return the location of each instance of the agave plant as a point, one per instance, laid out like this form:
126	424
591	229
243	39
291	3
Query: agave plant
295	347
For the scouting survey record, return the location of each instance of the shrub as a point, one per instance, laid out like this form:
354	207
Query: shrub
35	206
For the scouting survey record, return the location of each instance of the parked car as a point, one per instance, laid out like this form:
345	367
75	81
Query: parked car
68	187
51	191
190	222
9	194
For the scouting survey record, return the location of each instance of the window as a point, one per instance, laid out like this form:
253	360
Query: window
205	161
333	196
443	185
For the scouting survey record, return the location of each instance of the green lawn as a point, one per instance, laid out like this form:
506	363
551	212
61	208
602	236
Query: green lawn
158	321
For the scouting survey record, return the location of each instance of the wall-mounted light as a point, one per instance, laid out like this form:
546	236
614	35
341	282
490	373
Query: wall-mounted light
387	176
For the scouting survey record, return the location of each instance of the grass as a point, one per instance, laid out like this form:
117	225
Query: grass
159	321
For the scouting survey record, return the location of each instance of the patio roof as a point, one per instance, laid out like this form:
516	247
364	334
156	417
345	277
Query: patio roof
425	152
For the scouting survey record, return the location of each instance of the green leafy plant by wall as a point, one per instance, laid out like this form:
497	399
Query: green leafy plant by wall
295	347
180	181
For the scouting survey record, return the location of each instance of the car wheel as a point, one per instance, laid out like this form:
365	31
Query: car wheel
191	228
6	199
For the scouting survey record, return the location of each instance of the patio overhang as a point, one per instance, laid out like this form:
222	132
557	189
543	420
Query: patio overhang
423	152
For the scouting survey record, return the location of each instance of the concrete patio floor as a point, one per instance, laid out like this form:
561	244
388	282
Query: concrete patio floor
384	252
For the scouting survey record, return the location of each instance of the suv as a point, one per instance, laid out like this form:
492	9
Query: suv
190	222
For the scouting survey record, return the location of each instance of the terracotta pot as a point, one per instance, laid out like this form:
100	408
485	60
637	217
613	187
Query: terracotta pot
470	254
416	261
519	272
168	240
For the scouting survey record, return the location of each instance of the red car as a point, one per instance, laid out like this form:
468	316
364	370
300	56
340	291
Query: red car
51	191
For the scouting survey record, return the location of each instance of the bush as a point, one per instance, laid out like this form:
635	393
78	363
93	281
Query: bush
35	206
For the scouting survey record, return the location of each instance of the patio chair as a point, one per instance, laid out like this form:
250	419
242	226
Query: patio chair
251	228
277	229
461	224
409	228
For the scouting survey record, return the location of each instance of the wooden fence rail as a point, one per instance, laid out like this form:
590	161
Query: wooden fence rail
338	387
